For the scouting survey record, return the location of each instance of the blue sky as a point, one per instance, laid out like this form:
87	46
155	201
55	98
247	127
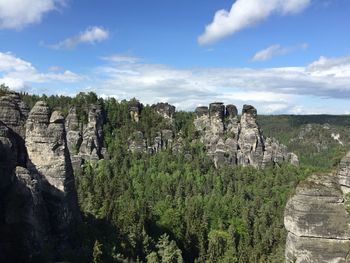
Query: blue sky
283	56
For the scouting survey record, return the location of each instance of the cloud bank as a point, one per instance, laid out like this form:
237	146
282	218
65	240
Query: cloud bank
247	13
19	74
322	86
91	35
17	14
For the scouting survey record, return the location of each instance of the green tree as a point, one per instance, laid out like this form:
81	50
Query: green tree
168	250
97	252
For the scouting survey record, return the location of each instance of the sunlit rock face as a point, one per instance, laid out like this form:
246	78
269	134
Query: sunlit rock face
344	173
230	141
46	145
317	222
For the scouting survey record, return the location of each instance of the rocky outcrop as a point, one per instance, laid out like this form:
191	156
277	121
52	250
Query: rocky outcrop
49	158
164	139
137	143
91	146
85	141
14	112
135	108
166	110
232	142
344	173
38	204
317	222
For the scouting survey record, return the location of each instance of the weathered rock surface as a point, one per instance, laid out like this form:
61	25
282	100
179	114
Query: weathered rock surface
14	113
85	142
38	204
164	139
234	142
344	173
166	110
317	222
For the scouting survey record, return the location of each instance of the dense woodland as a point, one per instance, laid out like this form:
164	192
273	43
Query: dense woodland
169	208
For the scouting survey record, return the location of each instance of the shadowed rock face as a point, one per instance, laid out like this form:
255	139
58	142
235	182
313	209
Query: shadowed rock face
235	142
202	111
8	156
166	110
38	204
317	222
231	111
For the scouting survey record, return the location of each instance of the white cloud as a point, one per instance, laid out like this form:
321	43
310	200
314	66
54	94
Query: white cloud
18	73
16	14
270	89
276	50
117	58
270	52
91	35
247	13
320	87
330	67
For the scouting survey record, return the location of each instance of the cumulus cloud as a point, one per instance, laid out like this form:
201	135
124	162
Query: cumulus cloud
276	50
91	35
247	13
18	73
16	14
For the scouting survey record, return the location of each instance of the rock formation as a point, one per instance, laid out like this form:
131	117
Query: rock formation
85	141
232	142
38	204
135	108
166	110
164	138
317	220
14	112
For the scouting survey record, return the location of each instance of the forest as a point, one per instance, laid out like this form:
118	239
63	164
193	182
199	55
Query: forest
166	207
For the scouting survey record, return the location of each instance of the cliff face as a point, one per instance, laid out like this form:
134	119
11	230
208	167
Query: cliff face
234	142
317	220
37	195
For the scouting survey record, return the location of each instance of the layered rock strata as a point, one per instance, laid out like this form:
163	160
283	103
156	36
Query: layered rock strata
317	222
232	142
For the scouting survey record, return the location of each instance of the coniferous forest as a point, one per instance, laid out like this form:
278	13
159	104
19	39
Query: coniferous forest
166	207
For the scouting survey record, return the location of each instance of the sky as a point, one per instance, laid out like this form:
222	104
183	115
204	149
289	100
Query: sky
282	56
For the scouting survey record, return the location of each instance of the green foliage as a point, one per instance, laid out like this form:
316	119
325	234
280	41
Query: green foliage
168	208
4	90
310	137
97	252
